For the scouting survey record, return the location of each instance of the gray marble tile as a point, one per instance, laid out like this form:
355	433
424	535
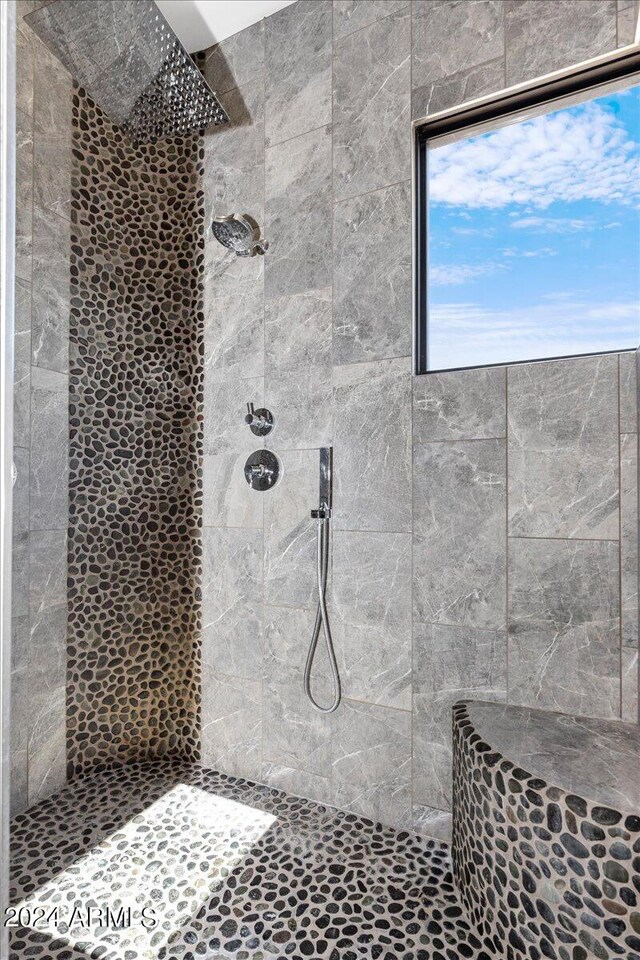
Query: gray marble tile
563	448
233	179
628	392
20	575
295	734
429	822
48	608
50	294
450	664
448	36
290	533
22	321
629	706
20	533
24	61
629	537
628	12
21	402
372	762
236	60
351	15
49	450
298	332
564	626
53	92
302	404
225	407
372	276
19	742
371	604
459	564
460	405
372	107
19	643
231	724
20	490
24	195
300	783
547	35
372	455
457	89
228	500
47	741
232	601
298	47
298	214
234	320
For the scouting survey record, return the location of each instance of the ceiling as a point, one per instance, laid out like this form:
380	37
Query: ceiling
199	23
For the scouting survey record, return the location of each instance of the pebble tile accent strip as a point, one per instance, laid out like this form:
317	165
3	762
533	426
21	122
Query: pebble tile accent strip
542	873
232	870
136	372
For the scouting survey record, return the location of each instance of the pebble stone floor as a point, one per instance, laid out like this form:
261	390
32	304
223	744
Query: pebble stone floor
231	869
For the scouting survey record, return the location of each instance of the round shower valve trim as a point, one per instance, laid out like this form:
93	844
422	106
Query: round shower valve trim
262	469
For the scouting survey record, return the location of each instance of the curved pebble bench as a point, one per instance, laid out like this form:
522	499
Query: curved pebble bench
546	832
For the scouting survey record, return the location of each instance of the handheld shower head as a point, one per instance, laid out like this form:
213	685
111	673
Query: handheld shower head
240	234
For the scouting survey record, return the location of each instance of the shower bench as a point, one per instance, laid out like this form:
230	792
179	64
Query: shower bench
546	832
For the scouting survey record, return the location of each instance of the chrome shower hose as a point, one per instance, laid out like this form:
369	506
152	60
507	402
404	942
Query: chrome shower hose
322	622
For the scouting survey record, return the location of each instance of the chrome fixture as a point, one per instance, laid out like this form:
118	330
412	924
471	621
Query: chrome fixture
323	516
132	64
240	234
259	421
262	469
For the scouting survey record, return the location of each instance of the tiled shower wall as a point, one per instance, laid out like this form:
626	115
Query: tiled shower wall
485	528
40	509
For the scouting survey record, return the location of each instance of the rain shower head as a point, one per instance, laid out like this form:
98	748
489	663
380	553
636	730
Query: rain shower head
129	60
240	234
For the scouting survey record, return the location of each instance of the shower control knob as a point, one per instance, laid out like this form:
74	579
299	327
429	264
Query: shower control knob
259	421
262	469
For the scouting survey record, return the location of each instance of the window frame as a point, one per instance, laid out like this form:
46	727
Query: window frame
617	66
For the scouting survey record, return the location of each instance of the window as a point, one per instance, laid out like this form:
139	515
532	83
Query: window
528	225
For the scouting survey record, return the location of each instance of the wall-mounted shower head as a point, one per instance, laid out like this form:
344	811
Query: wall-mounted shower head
239	233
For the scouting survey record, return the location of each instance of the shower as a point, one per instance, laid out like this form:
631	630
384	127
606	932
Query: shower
240	234
323	516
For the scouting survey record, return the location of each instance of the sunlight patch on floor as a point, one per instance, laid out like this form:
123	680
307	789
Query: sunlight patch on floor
170	859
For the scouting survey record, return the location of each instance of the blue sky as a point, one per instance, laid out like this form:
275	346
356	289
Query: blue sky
534	237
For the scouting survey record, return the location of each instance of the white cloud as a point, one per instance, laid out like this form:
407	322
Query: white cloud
474	231
540	252
453	274
553	224
468	334
582	153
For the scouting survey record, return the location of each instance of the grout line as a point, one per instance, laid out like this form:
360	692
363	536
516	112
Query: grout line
451	440
263	558
506	558
569	539
458	626
368	193
365	26
297	136
620	607
332	207
30	362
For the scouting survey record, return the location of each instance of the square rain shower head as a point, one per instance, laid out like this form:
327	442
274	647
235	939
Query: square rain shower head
127	57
